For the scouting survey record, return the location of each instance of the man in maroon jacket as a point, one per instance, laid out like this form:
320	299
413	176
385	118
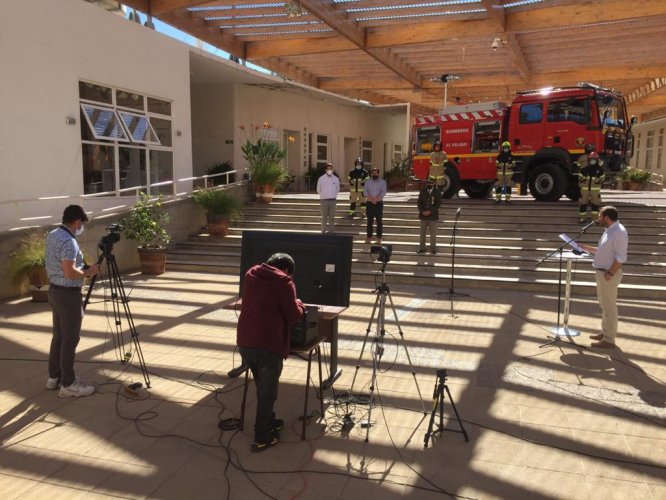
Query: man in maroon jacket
269	308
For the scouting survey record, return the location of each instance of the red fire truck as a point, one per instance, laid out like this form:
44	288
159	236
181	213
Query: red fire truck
548	130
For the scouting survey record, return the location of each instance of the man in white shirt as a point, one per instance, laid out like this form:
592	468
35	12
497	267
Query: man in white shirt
328	187
608	259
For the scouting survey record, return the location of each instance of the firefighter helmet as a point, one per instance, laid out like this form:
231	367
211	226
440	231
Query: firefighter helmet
437	145
589	148
358	161
506	144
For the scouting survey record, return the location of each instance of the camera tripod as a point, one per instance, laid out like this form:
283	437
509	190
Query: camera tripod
118	299
438	402
383	293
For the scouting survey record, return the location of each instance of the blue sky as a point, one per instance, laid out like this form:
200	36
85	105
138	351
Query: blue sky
188	39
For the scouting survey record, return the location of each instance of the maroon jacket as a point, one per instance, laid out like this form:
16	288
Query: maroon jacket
269	307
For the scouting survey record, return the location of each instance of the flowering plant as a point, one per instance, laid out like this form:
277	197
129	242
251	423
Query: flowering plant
265	158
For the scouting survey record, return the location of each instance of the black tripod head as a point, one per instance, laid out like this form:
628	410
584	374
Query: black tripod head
106	242
441	374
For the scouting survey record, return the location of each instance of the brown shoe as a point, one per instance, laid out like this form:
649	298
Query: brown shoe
598	336
603	344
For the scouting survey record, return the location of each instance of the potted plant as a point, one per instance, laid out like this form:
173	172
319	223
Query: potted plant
220	168
221	208
266	169
28	261
146	224
634	179
396	178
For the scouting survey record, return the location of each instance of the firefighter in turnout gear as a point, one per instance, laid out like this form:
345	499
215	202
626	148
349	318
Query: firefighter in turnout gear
437	160
582	159
590	178
505	163
357	177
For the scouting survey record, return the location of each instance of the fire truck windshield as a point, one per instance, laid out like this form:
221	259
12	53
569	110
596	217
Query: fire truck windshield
611	110
426	138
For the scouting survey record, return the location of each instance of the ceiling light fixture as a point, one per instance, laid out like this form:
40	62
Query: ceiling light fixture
293	8
497	43
445	79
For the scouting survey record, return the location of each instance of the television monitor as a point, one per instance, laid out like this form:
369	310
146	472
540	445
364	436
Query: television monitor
323	262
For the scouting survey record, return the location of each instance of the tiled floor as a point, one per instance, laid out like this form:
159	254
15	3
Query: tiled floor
559	422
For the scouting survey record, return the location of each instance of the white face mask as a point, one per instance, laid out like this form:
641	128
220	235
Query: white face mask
329	172
79	231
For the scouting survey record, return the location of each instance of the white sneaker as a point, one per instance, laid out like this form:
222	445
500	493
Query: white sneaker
77	389
52	383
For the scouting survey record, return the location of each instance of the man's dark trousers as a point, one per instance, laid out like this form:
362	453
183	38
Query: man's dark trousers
266	368
375	210
66	306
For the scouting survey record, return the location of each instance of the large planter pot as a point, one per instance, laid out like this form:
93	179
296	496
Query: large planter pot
39	285
218	225
152	260
632	186
264	193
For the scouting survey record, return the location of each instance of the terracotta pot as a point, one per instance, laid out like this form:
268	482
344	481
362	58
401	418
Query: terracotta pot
264	193
152	260
39	285
218	225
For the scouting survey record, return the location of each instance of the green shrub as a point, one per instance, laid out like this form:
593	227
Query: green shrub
220	168
28	257
631	174
265	159
147	222
219	202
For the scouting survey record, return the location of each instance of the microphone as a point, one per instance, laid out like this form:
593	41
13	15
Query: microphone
458	211
594	222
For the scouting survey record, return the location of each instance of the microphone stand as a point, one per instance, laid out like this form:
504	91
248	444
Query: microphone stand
558	331
451	291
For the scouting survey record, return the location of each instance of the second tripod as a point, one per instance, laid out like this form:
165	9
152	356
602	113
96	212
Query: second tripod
383	293
118	300
438	404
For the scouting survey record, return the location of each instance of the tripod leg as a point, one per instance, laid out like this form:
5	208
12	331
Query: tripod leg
432	417
122	298
404	345
455	410
365	341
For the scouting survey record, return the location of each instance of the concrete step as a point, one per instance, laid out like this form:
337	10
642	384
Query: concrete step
497	246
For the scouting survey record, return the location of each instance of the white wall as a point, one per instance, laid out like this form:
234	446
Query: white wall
654	161
212	125
46	47
290	111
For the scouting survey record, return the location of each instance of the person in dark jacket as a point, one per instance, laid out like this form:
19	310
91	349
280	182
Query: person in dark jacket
268	309
428	203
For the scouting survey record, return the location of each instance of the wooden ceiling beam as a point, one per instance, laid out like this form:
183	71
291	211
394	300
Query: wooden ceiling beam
214	36
160	7
653	115
495	13
339	21
517	56
645	90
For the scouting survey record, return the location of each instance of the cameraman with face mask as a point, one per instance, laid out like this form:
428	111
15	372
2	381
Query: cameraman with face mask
66	271
328	187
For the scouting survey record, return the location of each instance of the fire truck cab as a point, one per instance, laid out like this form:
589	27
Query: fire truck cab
548	130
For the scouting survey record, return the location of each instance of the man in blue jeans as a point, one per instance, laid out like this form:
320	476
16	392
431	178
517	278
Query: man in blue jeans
268	309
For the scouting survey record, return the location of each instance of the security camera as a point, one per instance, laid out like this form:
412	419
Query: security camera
496	43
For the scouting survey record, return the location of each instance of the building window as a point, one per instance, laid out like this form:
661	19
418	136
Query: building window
531	113
660	150
126	141
649	149
366	154
321	150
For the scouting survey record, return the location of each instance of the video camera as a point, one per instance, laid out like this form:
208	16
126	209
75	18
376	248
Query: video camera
106	242
383	252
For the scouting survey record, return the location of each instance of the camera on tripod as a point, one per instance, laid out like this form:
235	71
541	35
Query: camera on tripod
106	242
383	252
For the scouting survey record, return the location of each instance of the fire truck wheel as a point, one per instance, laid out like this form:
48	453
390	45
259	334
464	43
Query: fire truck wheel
547	182
451	184
477	190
